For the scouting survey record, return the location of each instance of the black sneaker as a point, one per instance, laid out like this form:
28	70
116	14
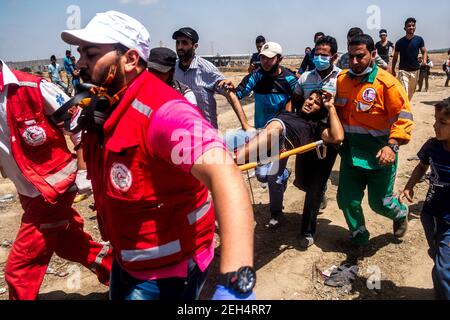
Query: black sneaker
324	203
275	220
306	241
400	228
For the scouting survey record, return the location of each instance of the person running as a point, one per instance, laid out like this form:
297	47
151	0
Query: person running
408	48
255	64
203	78
34	155
384	45
162	63
273	87
377	119
160	174
436	210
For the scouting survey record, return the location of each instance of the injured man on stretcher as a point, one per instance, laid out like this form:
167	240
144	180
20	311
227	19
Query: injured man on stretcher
316	120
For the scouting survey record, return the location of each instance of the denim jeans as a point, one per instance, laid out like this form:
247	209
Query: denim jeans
437	232
125	287
276	175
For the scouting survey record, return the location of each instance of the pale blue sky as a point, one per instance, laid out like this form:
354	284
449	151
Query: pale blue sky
31	29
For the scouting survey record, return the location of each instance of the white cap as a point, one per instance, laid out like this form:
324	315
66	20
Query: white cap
271	49
109	28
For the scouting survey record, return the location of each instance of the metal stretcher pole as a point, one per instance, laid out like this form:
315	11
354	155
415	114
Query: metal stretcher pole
287	154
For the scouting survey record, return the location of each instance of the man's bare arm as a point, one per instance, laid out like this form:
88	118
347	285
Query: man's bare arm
234	211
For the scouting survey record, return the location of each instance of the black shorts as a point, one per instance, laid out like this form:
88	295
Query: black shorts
297	130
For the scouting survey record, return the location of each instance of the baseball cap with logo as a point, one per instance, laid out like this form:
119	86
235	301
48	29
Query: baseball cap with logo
186	32
271	49
112	27
162	59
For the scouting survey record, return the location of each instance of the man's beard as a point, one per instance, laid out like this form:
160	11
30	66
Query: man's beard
117	83
272	70
185	55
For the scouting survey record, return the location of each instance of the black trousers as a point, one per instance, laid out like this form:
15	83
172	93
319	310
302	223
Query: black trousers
311	176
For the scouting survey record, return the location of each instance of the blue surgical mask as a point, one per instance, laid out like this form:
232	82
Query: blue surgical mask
368	70
322	63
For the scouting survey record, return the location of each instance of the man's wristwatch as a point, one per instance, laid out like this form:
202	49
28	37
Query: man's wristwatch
394	147
242	281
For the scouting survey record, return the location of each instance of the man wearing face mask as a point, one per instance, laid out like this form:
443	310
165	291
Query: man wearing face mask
273	86
204	79
312	173
377	119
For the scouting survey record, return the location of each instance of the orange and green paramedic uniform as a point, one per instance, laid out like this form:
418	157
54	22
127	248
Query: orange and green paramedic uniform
372	110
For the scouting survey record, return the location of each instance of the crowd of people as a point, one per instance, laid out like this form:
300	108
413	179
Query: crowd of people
163	178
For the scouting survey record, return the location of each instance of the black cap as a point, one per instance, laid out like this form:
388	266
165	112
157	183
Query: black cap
186	32
162	59
383	31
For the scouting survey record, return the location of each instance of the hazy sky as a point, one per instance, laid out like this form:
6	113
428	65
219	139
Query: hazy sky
31	29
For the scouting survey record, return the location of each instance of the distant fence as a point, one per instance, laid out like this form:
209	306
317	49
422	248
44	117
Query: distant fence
219	61
33	65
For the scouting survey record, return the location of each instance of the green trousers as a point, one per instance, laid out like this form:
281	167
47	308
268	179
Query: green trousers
380	185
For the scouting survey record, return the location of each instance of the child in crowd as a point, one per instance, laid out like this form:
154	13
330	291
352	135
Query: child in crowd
436	211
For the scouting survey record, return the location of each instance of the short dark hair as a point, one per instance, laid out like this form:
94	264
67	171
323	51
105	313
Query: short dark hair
330	41
363	39
318	34
353	32
121	49
448	51
260	39
68	52
444	107
53	57
409	20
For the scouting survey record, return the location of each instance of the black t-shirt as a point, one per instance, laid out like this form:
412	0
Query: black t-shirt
409	51
383	51
255	60
438	158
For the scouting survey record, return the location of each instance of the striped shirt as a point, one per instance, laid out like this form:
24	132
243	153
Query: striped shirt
311	81
202	77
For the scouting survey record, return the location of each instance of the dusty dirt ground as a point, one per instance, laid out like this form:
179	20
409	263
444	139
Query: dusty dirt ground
284	271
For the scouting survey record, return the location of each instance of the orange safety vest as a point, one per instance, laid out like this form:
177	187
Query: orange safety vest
377	108
153	213
37	145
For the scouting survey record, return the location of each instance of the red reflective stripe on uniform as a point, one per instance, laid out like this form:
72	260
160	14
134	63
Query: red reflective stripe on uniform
100	256
142	108
195	216
152	253
63	174
28	84
38	160
47	226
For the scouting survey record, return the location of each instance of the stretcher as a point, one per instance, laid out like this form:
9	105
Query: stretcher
318	146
